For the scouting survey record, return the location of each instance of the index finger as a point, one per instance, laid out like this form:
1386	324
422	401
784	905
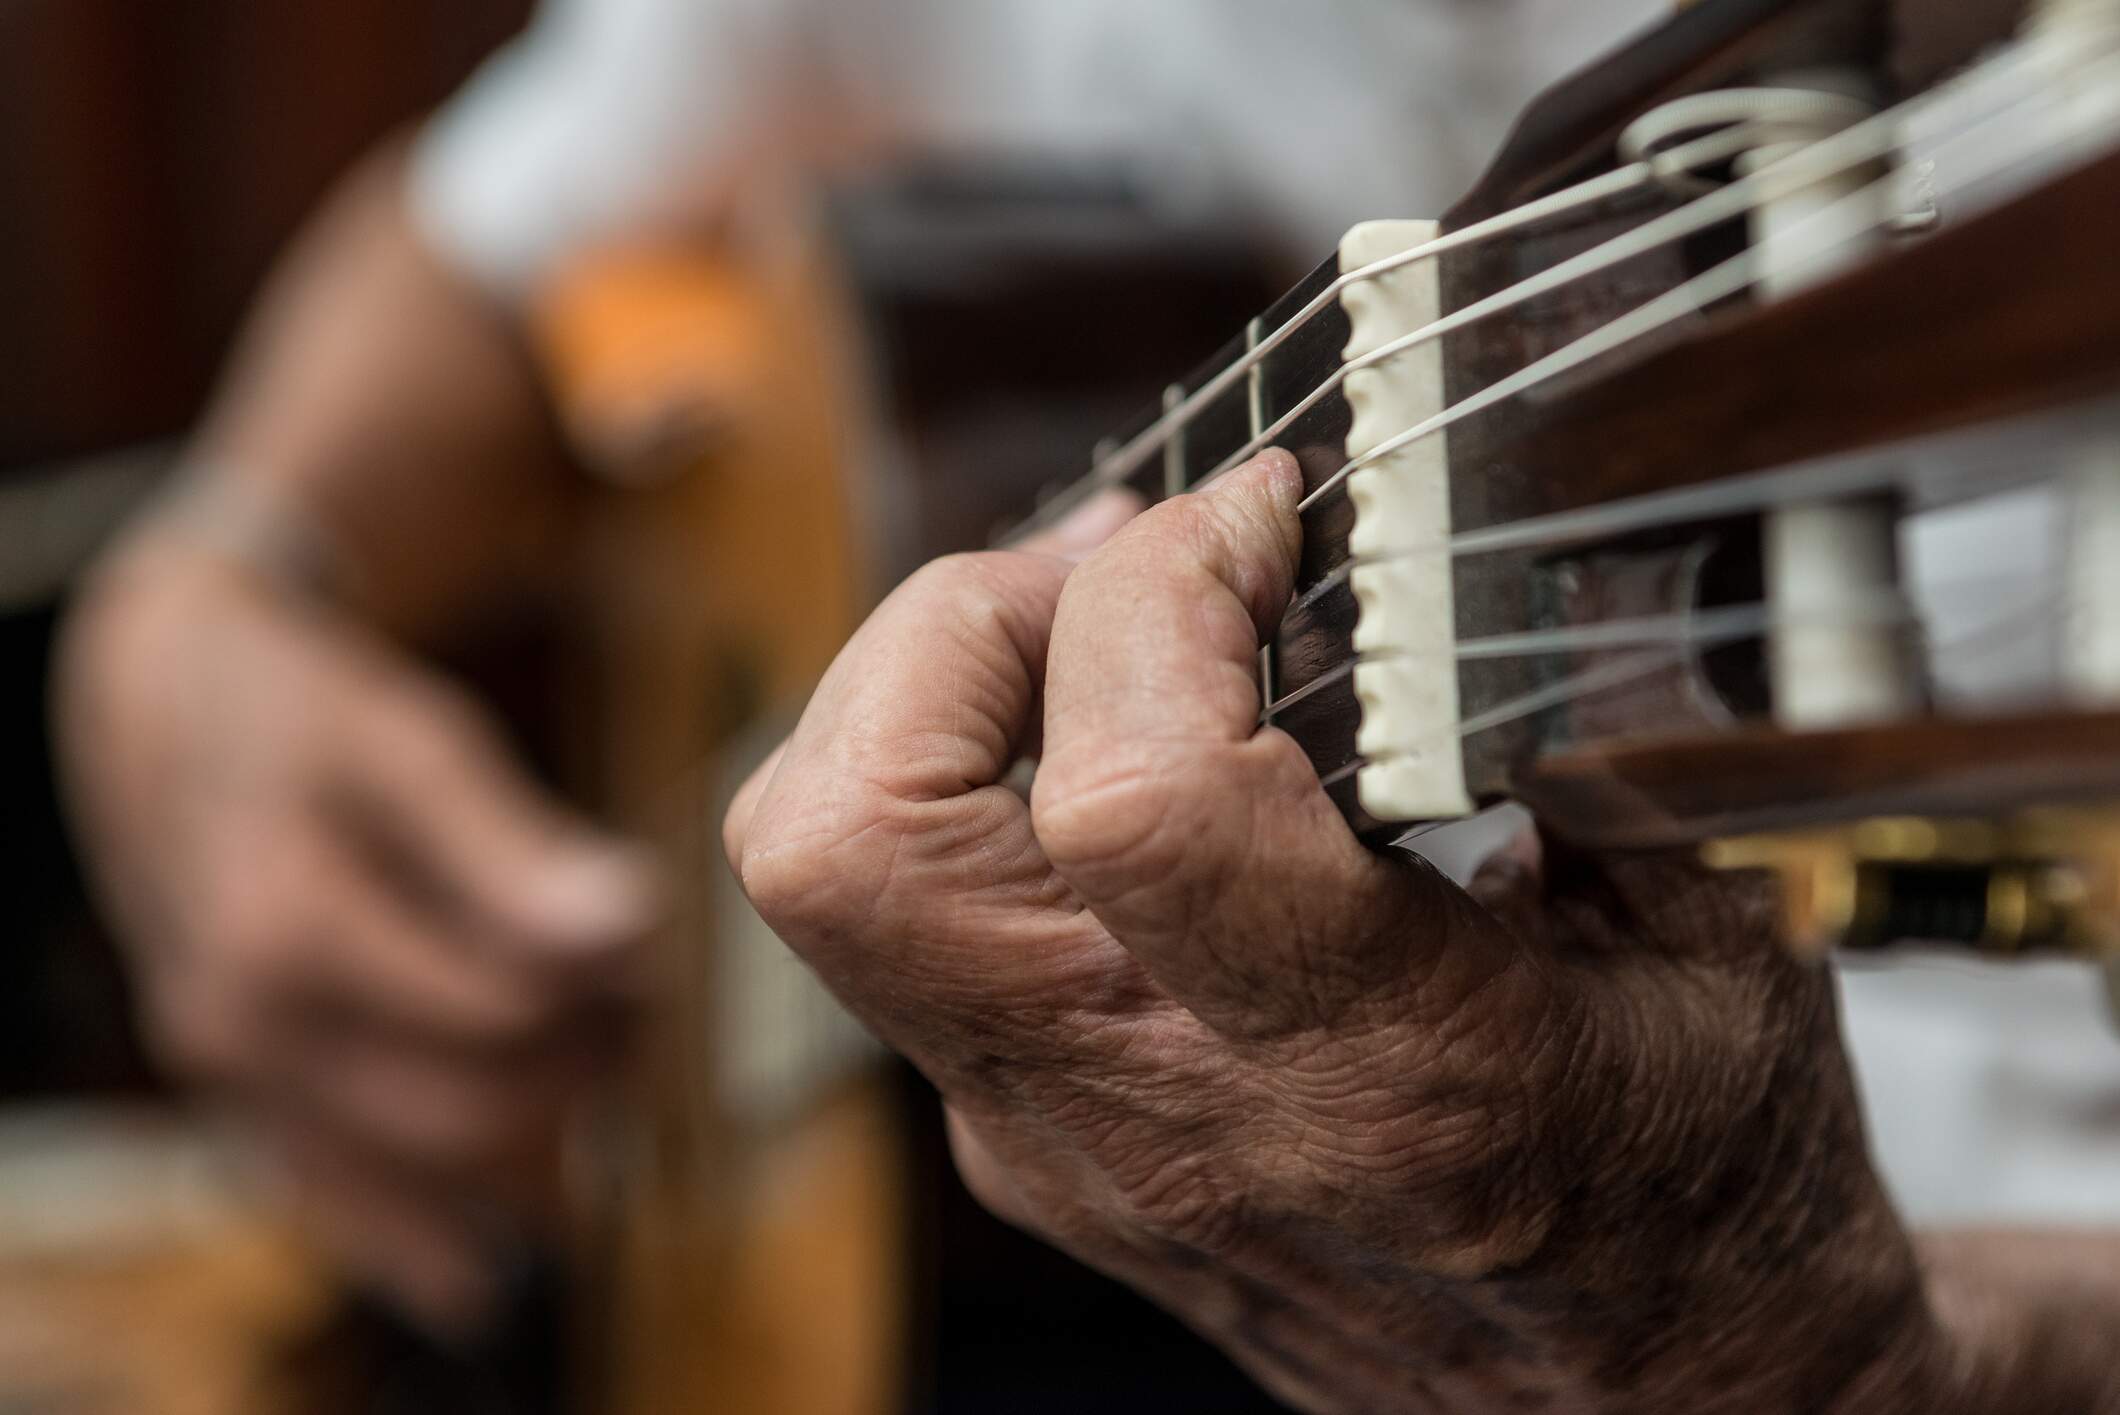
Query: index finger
1204	843
885	848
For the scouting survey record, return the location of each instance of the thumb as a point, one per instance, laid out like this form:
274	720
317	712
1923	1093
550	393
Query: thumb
438	797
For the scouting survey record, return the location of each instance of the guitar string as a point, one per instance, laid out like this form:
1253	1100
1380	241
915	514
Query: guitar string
1860	143
1530	531
1602	677
1735	496
1692	629
1660	168
1114	467
1117	465
1867	140
1735	275
1701	629
1575	686
1732	496
1728	278
2024	64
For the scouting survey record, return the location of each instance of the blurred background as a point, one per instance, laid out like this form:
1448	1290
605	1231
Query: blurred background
754	403
157	158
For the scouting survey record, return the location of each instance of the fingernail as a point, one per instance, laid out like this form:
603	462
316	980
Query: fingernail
1092	523
600	895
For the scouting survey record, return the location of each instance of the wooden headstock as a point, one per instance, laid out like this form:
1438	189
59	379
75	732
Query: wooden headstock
1676	481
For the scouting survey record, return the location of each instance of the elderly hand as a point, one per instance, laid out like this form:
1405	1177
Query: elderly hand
356	925
1580	1139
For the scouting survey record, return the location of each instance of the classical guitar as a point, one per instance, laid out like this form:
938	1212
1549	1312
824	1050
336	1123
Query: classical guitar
1608	472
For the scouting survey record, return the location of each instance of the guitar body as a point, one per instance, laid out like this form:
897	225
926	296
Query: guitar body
715	392
784	424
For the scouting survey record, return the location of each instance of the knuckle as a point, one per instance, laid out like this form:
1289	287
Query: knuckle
812	870
954	577
792	885
977	600
1107	817
772	875
262	913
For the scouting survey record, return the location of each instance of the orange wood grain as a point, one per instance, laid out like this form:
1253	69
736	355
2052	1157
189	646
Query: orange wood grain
716	392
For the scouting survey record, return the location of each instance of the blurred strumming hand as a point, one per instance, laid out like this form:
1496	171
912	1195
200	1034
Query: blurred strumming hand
352	915
356	924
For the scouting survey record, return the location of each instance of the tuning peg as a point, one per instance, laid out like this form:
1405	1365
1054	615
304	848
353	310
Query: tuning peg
2039	881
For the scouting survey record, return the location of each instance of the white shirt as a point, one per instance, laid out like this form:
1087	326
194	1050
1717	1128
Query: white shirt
1313	116
1993	1094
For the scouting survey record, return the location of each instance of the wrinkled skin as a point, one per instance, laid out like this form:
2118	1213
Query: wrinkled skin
1580	1139
365	937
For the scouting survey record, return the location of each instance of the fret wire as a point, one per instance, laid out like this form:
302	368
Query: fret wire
1618	182
1174	446
1725	204
1311	689
1255	392
1116	465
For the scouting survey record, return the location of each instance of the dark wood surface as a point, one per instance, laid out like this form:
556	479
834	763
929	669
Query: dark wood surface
156	156
1568	133
1657	793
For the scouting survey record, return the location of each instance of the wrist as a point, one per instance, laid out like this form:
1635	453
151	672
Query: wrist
210	519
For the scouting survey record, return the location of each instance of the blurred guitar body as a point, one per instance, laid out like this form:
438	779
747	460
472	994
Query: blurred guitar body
785	421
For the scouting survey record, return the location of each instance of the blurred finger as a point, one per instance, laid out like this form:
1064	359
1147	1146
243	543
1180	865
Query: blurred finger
417	1247
375	957
1088	526
485	1119
442	797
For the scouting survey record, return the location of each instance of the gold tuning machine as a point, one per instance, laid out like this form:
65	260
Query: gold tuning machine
2045	880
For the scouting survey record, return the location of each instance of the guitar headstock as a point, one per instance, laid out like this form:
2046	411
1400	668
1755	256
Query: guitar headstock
1612	472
